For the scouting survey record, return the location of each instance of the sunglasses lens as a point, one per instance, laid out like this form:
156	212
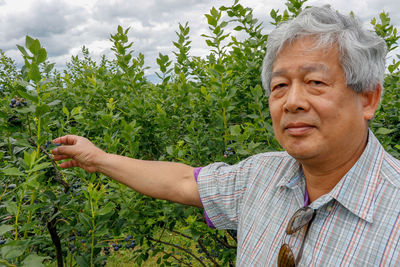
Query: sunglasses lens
301	217
286	257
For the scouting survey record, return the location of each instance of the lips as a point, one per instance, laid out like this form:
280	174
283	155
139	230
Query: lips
298	128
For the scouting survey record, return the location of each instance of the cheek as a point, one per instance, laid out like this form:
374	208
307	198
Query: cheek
275	112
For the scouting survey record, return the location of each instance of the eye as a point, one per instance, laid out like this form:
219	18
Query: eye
278	86
316	83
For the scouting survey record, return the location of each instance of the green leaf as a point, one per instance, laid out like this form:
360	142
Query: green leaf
41	56
5	228
211	20
40	166
34	73
109	207
9	252
28	41
83	261
12	171
54	103
235	130
50	195
75	110
34	47
23	51
85	220
33	260
41	110
384	131
49	67
28	158
28	96
11	207
203	90
65	111
170	150
214	12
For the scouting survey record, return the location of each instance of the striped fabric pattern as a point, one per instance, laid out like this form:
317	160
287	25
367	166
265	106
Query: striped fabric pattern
356	224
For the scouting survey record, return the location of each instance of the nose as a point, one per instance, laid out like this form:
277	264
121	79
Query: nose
296	99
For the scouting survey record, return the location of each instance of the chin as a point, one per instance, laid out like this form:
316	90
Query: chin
300	153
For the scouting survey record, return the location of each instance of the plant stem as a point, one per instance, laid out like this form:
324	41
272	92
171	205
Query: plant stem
9	146
178	247
18	213
38	126
30	213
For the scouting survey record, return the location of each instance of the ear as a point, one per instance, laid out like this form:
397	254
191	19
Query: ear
371	101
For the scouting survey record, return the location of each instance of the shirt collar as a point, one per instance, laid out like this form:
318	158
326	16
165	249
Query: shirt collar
292	174
356	189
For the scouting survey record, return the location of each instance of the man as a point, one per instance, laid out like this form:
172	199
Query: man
332	198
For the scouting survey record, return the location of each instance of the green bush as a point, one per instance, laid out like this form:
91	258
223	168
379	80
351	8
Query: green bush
204	110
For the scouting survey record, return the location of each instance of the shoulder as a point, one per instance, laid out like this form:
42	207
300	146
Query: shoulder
262	160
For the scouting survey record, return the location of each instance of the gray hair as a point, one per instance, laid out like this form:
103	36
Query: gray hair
362	52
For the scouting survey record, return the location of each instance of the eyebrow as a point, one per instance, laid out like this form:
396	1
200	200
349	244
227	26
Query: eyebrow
306	68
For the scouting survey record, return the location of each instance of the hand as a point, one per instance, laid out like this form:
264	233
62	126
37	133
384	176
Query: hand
80	150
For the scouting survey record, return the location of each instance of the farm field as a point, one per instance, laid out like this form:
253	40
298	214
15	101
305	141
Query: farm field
203	110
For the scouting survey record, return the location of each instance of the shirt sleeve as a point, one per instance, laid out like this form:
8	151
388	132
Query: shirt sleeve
222	188
207	219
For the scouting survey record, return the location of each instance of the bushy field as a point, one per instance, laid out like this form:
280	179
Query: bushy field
205	110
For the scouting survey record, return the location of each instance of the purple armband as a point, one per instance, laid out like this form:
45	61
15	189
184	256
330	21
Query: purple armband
208	221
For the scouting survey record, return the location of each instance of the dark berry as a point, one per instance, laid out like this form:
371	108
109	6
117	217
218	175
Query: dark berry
229	149
18	104
13	101
11	105
2	242
12	186
83	241
116	248
24	103
72	238
129	237
127	245
231	153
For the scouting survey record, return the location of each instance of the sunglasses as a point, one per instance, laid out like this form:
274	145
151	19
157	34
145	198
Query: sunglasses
302	217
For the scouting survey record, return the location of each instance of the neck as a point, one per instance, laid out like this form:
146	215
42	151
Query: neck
322	176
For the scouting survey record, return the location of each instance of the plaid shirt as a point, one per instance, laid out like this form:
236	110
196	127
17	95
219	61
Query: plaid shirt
356	224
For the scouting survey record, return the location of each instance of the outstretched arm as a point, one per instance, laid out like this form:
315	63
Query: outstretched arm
163	180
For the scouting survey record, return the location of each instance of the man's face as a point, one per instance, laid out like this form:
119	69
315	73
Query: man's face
315	115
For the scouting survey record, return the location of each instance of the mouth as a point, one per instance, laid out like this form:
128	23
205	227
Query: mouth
298	128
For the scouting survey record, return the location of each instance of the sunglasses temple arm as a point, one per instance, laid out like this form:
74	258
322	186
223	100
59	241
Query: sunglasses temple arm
298	258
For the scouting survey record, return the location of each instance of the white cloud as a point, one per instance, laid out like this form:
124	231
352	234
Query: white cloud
64	26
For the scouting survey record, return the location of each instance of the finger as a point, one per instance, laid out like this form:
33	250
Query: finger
69	164
64	150
60	157
66	140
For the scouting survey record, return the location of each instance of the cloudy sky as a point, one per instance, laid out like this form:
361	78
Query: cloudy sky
64	26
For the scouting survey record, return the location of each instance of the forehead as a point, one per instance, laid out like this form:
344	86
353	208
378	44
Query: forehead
305	53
